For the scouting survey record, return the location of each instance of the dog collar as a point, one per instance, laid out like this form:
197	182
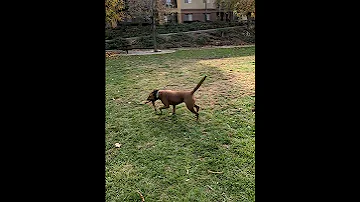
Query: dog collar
157	95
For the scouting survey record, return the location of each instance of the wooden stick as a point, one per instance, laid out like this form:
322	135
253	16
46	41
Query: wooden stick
141	196
214	172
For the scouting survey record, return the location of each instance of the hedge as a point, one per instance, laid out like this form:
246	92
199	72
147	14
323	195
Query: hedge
235	36
136	30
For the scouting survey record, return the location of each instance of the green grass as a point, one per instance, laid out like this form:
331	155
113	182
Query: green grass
168	157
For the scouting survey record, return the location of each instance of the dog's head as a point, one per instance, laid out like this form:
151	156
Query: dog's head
152	96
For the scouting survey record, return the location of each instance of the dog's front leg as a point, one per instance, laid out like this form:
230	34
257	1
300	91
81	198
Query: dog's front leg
166	105
153	103
163	107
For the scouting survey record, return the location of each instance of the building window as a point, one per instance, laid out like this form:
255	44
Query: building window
169	4
188	1
188	17
208	16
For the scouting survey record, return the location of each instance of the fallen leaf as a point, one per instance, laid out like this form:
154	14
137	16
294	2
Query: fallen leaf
118	145
209	171
141	196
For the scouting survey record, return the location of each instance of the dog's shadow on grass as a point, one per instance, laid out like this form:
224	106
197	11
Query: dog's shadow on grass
176	126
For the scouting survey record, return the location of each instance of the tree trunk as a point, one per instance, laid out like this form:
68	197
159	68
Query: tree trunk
154	33
153	25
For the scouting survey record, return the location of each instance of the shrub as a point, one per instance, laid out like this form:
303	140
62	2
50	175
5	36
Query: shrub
121	42
135	30
202	39
118	43
235	36
144	42
182	37
161	39
217	33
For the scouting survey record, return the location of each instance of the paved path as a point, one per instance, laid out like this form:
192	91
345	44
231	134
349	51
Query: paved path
141	52
151	51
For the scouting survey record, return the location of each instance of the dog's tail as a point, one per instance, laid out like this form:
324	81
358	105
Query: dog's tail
198	86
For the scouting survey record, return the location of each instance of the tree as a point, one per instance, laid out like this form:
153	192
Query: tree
114	11
245	7
147	10
239	7
141	10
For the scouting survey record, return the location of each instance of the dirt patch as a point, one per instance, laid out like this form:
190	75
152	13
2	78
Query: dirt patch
146	145
122	171
237	79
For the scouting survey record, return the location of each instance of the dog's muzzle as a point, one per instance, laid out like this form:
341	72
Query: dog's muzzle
149	101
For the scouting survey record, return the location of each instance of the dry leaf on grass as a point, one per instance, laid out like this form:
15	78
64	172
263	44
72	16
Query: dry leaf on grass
141	196
214	172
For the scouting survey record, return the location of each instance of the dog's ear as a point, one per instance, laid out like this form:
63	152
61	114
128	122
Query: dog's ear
154	91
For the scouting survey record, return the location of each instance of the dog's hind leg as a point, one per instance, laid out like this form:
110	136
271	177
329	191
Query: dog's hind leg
191	108
173	109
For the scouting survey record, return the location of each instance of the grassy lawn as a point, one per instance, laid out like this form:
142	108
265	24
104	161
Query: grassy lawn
176	158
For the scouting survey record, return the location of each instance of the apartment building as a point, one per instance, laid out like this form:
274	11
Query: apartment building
191	10
182	11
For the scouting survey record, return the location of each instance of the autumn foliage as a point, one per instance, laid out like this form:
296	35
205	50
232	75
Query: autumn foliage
114	11
239	7
244	7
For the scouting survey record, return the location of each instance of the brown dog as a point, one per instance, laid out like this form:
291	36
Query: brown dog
170	97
